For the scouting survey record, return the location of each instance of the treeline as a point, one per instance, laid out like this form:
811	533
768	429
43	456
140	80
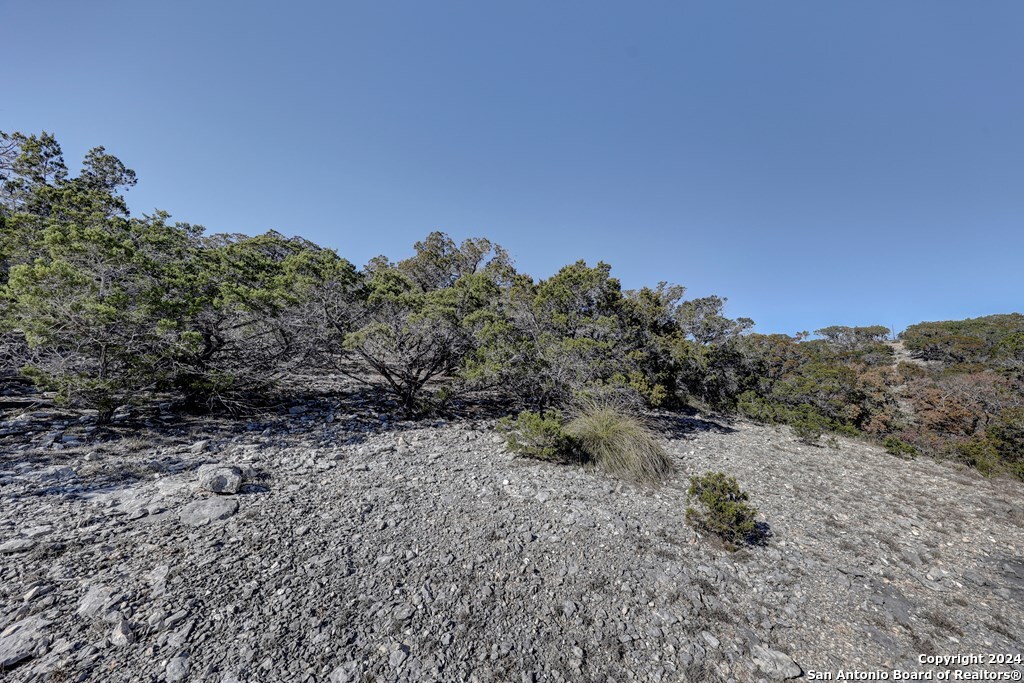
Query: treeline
103	307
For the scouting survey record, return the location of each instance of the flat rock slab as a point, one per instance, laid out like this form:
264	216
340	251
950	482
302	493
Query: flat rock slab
55	474
19	640
17	545
96	601
206	510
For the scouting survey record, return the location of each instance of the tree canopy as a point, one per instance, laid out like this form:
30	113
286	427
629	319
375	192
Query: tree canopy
105	308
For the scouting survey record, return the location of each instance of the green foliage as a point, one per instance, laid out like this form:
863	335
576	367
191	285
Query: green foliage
898	447
651	321
990	339
703	321
618	442
102	307
422	317
112	305
980	454
539	436
82	284
545	343
758	408
854	337
243	310
600	432
843	383
808	425
999	448
722	509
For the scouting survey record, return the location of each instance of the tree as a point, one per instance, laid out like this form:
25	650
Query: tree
975	340
420	316
240	311
32	173
553	340
703	321
87	303
439	263
656	337
854	337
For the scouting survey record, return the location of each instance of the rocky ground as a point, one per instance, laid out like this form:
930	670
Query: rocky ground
346	546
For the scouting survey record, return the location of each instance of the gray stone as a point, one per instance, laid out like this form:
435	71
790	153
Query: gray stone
486	581
36	592
398	656
37	531
17	545
122	634
206	510
19	640
158	574
177	669
156	618
778	665
96	600
710	639
345	673
175	619
225	479
56	473
179	637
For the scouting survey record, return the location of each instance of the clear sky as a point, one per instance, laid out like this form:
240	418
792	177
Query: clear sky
815	162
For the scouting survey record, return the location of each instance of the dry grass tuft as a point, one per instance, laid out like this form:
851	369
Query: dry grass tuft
618	442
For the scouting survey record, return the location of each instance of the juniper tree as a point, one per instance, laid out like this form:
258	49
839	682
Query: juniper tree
85	302
419	316
244	313
555	339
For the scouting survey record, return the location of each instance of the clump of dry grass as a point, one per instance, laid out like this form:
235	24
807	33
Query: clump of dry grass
618	442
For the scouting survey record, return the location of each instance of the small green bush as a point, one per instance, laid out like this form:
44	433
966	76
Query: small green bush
980	454
896	446
618	442
723	510
538	436
808	425
760	409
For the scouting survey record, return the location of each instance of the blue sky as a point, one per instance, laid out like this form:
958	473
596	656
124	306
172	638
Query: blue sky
815	162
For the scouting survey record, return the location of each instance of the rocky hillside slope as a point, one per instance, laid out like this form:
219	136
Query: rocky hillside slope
358	549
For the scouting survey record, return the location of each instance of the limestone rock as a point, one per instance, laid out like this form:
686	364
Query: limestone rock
177	669
17	545
96	601
778	665
19	640
122	634
223	479
206	510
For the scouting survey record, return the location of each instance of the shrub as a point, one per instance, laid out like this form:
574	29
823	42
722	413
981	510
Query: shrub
618	442
899	447
808	425
1000	450
538	436
723	510
981	455
760	409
